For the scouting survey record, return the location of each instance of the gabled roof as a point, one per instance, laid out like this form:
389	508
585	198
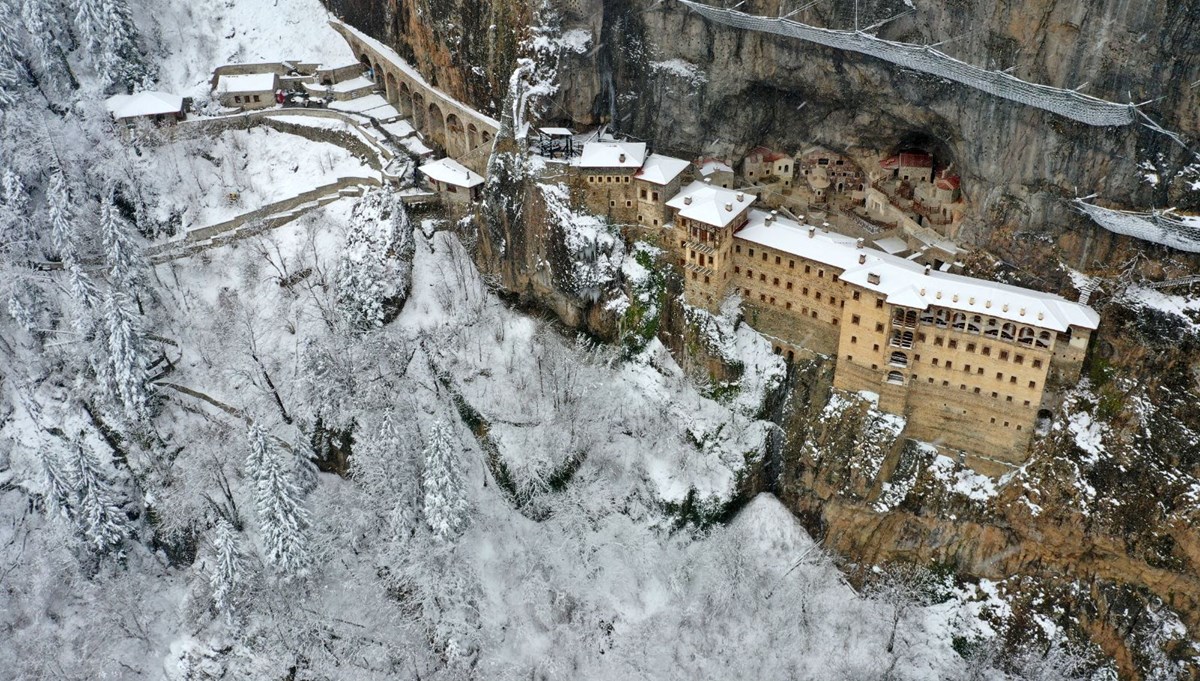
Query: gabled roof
451	172
909	284
246	82
948	182
145	103
613	155
661	169
556	132
711	205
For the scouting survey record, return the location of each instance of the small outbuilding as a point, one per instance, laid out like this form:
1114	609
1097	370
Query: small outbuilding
247	90
160	108
453	181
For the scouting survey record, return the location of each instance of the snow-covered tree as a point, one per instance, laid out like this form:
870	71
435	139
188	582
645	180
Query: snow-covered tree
85	299
60	493
122	252
60	213
110	37
126	375
373	272
386	468
261	445
15	225
283	519
102	524
226	578
10	38
41	25
445	503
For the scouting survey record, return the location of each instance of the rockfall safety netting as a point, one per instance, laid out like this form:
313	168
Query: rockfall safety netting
1159	227
1068	103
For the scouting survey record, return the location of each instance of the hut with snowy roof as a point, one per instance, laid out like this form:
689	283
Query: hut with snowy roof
159	108
454	182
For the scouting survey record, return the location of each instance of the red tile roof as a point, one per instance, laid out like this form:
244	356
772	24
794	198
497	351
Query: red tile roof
908	160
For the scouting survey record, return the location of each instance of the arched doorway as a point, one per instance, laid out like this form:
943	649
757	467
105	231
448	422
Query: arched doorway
404	100
456	137
487	137
393	94
436	125
472	137
418	112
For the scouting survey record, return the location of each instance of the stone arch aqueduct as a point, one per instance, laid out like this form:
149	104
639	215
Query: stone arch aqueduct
464	133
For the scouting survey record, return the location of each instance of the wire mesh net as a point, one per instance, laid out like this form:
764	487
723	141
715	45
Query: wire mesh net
1156	227
1068	103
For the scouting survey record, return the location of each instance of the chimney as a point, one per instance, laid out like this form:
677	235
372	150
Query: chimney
708	180
741	197
767	220
862	258
622	158
729	208
928	269
812	231
859	244
687	200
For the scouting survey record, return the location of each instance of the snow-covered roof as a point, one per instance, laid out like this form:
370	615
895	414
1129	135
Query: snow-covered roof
766	154
661	169
246	82
708	166
711	205
907	283
451	172
892	245
613	155
145	103
557	132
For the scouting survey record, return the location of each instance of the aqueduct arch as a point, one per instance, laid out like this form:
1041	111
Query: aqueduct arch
435	124
456	137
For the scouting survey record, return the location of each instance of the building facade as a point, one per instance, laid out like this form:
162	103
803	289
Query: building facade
971	364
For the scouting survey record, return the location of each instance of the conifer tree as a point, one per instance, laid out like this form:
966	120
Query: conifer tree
283	519
127	366
445	504
110	37
261	445
121	250
59	490
374	267
226	577
43	34
15	230
99	517
10	39
62	218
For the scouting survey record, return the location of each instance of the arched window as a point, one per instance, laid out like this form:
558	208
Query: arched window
942	318
1008	331
1025	335
976	324
960	321
895	377
992	328
898	359
902	339
1043	340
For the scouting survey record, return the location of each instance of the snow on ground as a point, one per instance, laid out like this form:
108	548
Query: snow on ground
200	35
962	480
1183	307
209	180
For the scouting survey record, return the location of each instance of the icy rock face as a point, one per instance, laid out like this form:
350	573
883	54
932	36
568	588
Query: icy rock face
726	86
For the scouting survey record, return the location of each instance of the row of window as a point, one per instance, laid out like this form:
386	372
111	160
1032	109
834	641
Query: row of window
653	195
787	305
904	339
238	99
900	359
833	300
607	179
